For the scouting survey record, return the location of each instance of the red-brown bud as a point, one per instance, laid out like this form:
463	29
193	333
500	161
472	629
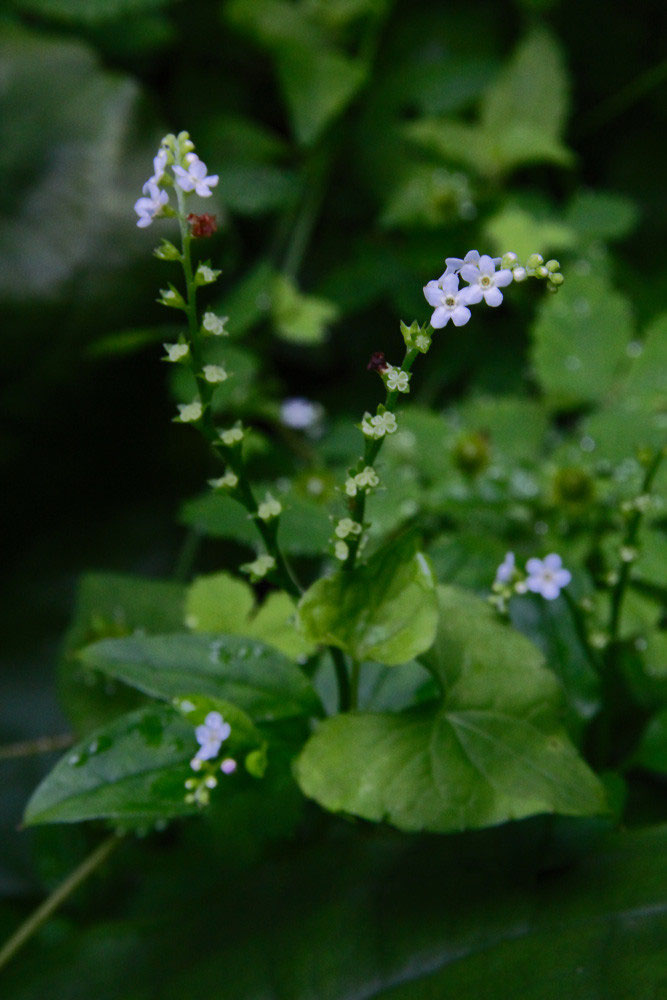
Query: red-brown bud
377	362
203	225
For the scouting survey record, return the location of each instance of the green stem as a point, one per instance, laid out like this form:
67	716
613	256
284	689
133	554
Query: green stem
229	456
187	555
57	897
30	748
371	450
629	542
342	678
581	630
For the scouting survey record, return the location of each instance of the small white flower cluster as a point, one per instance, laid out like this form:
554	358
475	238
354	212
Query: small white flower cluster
545	577
345	528
258	569
395	379
269	508
227	482
188	172
365	480
379	425
211	734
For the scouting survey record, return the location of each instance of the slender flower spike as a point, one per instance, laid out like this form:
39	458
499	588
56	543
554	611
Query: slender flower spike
189	413
176	352
547	576
448	301
214	325
214	374
150	205
505	571
484	281
193	176
211	735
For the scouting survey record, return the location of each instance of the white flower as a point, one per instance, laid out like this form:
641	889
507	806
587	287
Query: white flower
228	765
448	301
226	482
205	275
232	436
454	264
396	379
176	352
341	551
547	576
213	324
299	413
346	526
193	178
379	425
148	207
189	412
260	567
211	735
484	281
214	373
269	508
506	569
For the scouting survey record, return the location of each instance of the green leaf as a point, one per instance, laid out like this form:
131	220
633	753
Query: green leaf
516	229
318	84
531	90
248	673
492	750
652	750
255	188
221	603
87	12
111	605
132	770
580	340
516	427
385	610
600	215
299	318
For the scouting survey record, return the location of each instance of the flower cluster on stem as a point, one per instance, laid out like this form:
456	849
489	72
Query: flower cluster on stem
177	169
546	577
208	761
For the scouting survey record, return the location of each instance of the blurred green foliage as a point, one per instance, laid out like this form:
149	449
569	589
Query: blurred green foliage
358	143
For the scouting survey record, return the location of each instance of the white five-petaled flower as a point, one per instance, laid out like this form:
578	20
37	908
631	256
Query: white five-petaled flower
193	178
214	374
484	281
176	352
448	301
454	264
151	204
506	569
211	735
159	165
213	324
189	412
547	576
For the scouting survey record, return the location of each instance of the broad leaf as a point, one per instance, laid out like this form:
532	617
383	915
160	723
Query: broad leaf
299	318
133	770
248	673
385	610
492	750
221	603
580	340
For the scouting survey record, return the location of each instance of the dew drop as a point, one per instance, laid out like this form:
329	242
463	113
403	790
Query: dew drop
73	758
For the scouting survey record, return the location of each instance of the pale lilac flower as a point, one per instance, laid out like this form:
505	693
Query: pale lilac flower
159	166
448	301
484	281
454	264
547	576
506	569
194	177
211	735
148	207
300	414
228	765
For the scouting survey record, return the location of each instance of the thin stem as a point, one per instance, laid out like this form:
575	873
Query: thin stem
342	678
354	685
580	629
629	542
371	450
30	748
187	555
57	897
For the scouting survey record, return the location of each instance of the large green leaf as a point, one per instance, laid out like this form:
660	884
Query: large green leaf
221	603
318	84
248	673
493	750
580	340
385	610
134	769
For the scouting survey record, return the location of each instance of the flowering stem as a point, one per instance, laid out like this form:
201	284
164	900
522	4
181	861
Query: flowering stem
371	450
57	897
228	455
629	542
